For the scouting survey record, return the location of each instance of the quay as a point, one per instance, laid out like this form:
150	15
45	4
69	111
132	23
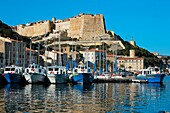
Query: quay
118	80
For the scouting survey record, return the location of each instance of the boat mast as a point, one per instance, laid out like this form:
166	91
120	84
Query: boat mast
72	55
59	48
45	49
103	55
94	67
30	51
17	53
115	58
100	72
4	56
106	61
87	55
24	54
9	58
38	53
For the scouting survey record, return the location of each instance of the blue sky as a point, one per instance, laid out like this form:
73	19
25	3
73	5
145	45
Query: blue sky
147	21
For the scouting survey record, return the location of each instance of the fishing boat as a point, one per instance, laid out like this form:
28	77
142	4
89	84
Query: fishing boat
57	74
82	74
151	75
13	74
35	74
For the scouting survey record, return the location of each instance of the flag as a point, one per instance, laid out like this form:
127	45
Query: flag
74	63
115	66
67	65
94	67
100	71
106	66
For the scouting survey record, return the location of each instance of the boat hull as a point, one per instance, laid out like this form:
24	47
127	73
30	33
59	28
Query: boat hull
28	78
58	78
85	78
14	78
2	79
152	78
39	78
61	78
51	78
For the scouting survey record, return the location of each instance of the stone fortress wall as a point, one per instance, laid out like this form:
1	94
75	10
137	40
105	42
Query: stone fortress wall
35	29
82	26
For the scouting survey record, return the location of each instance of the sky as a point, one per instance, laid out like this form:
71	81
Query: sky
147	21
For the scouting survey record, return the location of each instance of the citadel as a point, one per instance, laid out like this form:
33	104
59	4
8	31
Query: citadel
85	30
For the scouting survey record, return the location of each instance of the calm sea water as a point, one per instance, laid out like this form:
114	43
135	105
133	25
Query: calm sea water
96	98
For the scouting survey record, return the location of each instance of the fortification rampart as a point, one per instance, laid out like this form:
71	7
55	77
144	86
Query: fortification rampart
83	26
35	29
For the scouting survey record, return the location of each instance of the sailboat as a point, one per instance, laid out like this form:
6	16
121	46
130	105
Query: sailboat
102	74
35	73
82	74
115	73
57	74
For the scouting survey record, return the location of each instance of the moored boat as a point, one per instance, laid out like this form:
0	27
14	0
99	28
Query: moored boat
151	75
13	74
82	74
57	74
35	74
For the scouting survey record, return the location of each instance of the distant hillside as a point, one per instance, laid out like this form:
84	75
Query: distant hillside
7	32
150	59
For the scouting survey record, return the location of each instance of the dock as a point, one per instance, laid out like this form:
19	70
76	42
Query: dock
118	80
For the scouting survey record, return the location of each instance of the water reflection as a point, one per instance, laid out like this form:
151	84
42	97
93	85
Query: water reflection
102	97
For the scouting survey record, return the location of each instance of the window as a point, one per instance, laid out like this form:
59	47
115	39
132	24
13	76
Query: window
50	69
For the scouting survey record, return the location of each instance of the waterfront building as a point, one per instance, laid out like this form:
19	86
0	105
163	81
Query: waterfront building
131	63
13	52
94	56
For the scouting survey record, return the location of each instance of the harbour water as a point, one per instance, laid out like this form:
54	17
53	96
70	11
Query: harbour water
95	98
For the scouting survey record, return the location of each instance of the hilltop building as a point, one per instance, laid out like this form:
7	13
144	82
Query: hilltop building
132	42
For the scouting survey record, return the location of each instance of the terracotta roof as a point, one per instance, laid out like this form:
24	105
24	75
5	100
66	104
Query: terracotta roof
130	58
14	40
110	55
94	50
28	49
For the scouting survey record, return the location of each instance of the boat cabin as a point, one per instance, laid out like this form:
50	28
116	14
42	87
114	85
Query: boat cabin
56	70
150	70
34	68
82	69
13	69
